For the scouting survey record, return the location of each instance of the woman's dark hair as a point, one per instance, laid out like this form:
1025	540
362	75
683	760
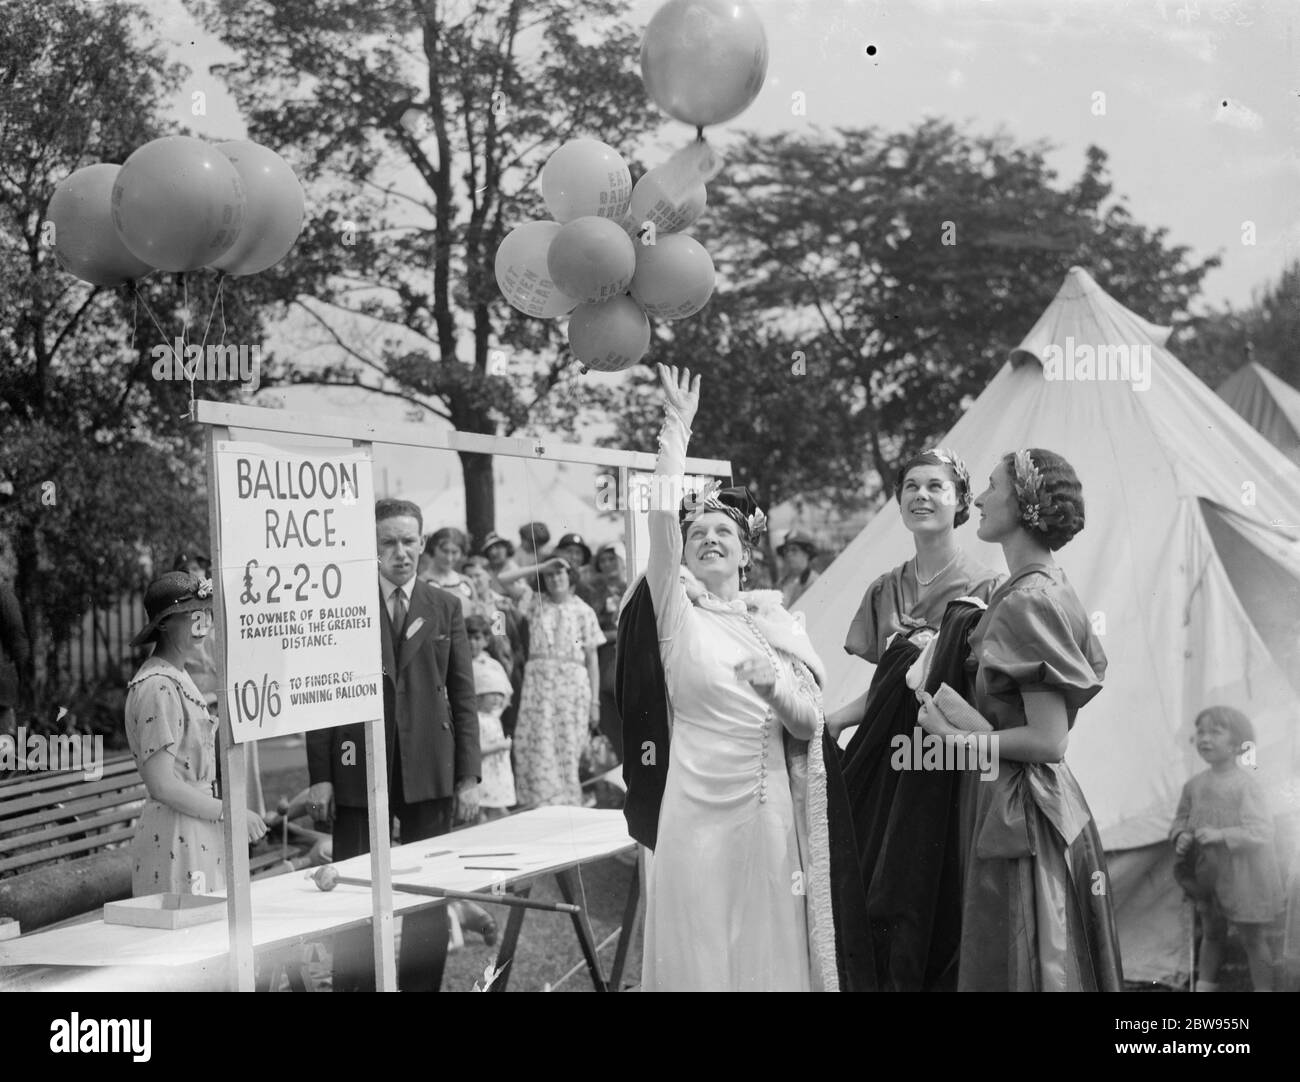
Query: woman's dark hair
478	625
447	533
1060	504
960	482
1243	732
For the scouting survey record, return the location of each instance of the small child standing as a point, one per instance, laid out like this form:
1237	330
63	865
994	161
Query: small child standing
497	789
1223	848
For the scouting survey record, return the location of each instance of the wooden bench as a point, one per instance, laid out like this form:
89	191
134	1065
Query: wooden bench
64	842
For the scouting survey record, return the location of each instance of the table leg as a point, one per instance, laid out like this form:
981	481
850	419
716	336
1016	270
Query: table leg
564	880
267	972
298	981
509	940
631	918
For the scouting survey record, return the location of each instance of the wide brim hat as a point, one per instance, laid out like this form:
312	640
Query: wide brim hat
575	539
798	539
491	679
176	591
495	538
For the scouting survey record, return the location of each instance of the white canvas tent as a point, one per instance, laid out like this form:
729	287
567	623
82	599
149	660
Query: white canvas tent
1192	580
1269	404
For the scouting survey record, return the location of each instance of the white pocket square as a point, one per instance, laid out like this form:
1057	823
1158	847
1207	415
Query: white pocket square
416	624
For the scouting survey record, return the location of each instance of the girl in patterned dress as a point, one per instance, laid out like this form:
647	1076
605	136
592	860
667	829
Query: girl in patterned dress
178	846
561	697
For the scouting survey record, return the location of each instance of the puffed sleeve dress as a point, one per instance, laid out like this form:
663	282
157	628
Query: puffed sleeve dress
1037	912
166	712
895	603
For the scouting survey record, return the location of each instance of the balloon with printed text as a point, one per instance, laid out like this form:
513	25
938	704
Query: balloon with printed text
521	272
586	177
178	203
652	203
274	207
674	277
609	337
592	259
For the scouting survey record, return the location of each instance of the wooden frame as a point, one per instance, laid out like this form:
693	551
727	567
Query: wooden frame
220	417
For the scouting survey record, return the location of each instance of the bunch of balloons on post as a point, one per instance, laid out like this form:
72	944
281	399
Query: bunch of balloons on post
615	255
177	204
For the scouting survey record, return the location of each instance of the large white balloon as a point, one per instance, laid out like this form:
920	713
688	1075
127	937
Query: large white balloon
674	277
522	275
586	176
86	243
704	61
609	337
178	203
274	209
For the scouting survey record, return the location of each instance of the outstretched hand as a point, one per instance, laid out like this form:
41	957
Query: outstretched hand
682	392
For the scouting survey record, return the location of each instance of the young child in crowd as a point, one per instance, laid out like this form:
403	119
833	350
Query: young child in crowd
497	789
1224	849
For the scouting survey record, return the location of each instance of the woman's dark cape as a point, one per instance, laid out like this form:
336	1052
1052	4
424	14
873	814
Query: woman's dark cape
643	703
911	848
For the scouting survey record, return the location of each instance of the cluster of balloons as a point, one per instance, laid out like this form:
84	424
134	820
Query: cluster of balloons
177	204
615	255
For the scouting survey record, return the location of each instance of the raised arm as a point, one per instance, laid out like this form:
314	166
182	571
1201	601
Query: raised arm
682	396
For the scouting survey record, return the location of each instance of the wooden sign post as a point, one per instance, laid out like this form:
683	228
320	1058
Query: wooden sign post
293	542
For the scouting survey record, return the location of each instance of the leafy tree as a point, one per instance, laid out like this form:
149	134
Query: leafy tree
105	465
1217	344
880	280
421	129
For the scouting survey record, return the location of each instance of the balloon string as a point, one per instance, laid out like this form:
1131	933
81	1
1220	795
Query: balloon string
148	310
135	312
699	133
185	334
221	284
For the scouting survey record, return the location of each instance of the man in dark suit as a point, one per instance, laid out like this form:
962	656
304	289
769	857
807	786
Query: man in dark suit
431	735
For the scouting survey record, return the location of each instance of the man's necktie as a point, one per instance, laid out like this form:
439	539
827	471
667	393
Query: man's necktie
399	621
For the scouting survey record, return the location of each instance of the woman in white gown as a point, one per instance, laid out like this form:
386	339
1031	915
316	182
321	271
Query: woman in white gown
738	888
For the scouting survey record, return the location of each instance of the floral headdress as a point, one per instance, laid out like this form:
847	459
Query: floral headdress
953	461
1029	487
736	503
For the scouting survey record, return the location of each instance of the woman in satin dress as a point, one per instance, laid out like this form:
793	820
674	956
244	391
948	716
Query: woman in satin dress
738	887
1037	912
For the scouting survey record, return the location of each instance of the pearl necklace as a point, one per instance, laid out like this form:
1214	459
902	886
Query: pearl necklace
916	570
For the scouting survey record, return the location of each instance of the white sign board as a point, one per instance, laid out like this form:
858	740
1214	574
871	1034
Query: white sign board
299	580
642	489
